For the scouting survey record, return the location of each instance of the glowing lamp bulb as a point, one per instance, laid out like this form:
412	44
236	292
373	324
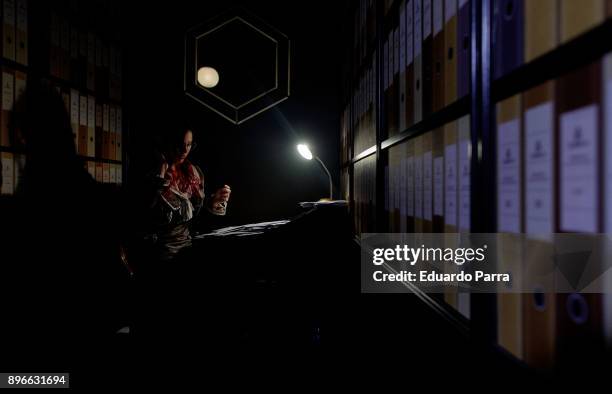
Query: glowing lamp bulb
208	77
304	151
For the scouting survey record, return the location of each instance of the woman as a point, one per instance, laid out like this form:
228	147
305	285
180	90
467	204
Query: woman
180	195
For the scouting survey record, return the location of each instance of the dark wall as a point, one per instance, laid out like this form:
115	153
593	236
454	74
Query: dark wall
258	158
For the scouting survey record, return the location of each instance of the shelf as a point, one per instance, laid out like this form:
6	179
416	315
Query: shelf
99	160
368	152
581	51
437	119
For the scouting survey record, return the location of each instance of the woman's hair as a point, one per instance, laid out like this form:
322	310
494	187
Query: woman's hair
174	140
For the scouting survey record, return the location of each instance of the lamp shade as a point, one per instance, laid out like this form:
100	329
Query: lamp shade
208	77
304	151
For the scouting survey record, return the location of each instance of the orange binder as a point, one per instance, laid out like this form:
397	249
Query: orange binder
438	55
22	32
540	27
578	17
8	98
450	51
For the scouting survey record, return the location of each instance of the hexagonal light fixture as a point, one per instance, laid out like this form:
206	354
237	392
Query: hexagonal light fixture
237	65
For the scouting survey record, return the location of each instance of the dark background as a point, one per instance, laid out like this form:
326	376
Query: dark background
258	158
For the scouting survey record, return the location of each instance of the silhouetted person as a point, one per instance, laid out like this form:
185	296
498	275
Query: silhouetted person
61	273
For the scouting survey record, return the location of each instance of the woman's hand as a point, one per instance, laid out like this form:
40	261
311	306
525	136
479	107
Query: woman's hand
162	171
222	194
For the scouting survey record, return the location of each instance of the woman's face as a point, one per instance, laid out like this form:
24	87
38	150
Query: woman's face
185	147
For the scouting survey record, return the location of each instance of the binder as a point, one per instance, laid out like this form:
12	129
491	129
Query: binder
394	204
509	170
464	157
410	186
93	61
99	172
91	126
540	27
19	167
418	60
451	189
105	173
402	67
607	120
74	116
98	131
111	74
386	86
64	52
65	93
8	28
119	133
54	45
403	188
119	171
83	135
578	17
105	132
428	58
438	180
20	87
8	181
450	51
427	182
112	178
8	97
509	223
409	90
418	184
507	36
112	132
119	73
438	66
75	44
22	32
91	169
99	64
395	84
463	48
578	98
105	69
